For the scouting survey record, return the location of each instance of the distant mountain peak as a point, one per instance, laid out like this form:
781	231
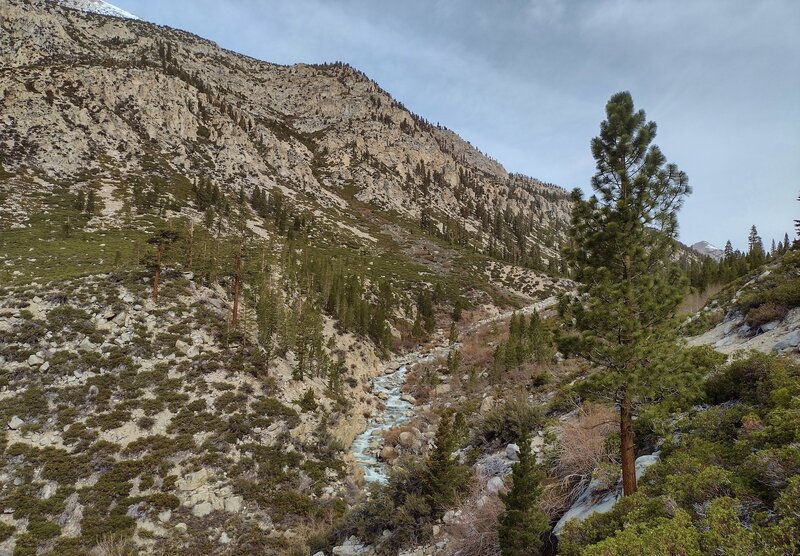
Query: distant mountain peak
97	7
706	248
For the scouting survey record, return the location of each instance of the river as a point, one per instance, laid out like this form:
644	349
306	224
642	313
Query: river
397	411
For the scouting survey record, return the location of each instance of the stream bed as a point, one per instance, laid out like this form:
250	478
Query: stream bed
389	385
397	411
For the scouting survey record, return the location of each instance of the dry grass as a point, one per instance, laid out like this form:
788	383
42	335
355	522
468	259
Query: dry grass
115	546
476	532
582	450
695	301
477	349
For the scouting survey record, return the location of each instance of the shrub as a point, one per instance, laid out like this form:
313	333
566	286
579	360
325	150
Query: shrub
768	312
699	486
662	537
753	379
475	532
307	402
506	423
636	508
770	470
6	531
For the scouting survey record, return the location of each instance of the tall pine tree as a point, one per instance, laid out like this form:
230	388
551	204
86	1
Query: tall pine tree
623	239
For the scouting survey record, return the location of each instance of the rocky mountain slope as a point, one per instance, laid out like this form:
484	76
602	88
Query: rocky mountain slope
113	104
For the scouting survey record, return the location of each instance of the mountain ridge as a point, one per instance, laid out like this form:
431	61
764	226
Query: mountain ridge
707	249
323	131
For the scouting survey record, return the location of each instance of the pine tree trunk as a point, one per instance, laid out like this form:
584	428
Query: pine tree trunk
157	272
236	284
191	245
627	454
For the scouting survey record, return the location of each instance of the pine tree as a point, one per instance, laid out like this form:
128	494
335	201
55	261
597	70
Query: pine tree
237	280
162	240
797	224
754	240
269	310
728	252
521	525
623	238
445	477
80	201
453	336
91	202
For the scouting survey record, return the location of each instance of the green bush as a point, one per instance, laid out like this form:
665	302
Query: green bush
506	423
307	402
767	312
754	379
662	537
637	508
6	531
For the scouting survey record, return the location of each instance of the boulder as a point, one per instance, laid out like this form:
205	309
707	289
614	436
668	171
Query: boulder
388	453
495	484
48	490
165	516
202	509
442	389
182	346
512	452
34	360
487	404
406	439
233	504
789	341
769	326
194	481
451	516
15	423
353	547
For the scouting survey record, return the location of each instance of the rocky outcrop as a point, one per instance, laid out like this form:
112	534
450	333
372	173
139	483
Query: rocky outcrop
595	500
734	334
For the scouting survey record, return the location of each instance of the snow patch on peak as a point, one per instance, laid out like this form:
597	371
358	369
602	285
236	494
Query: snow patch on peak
97	7
705	248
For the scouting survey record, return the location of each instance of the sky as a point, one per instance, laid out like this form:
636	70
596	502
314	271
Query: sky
526	81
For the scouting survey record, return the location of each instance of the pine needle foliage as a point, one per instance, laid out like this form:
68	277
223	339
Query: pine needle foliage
523	523
623	241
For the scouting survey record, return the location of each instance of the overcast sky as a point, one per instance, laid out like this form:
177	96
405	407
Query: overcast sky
526	81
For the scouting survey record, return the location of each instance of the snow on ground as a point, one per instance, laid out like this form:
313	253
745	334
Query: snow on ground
97	7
